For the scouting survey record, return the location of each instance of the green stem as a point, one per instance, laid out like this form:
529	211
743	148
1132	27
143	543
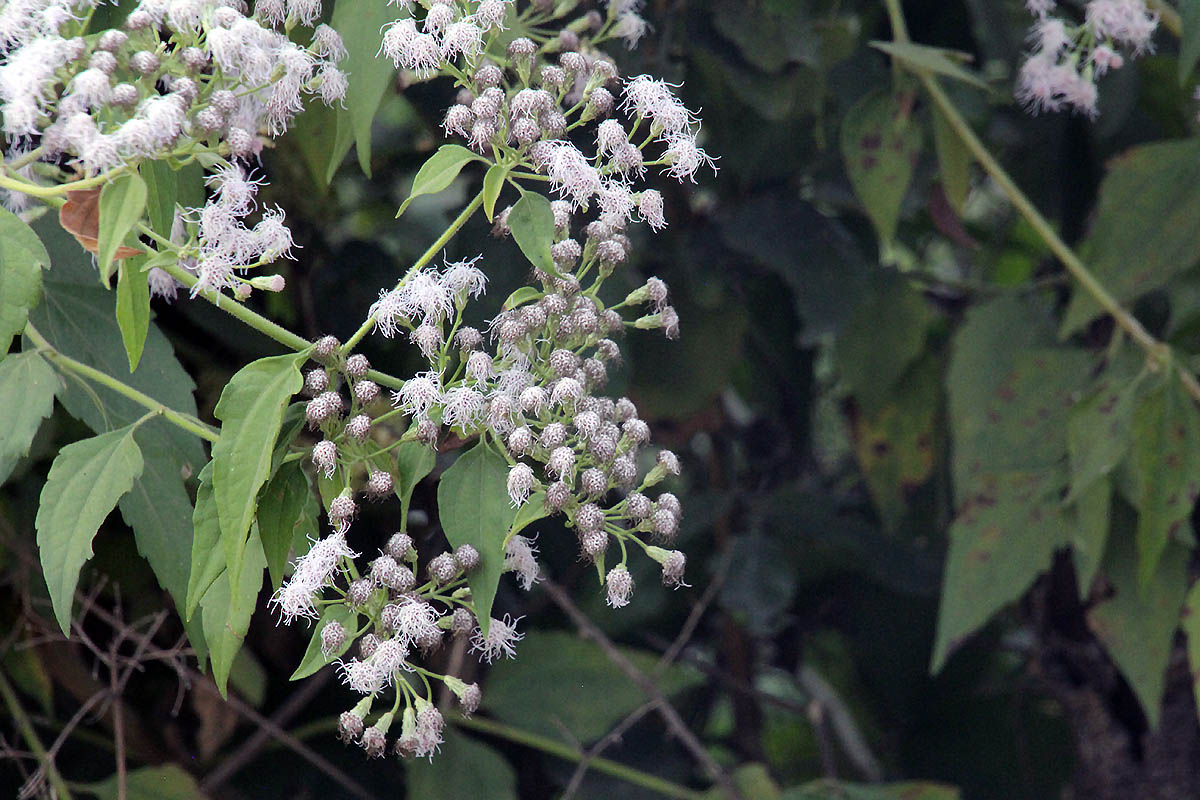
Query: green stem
425	258
31	738
1157	350
568	753
1168	16
34	190
185	421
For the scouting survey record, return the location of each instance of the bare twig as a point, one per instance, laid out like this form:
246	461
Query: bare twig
250	750
611	738
670	716
286	739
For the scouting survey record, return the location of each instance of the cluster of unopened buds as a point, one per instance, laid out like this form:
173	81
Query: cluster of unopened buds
1067	59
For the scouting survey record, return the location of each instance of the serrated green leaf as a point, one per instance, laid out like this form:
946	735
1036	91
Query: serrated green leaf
227	614
85	482
78	319
413	462
251	413
162	191
122	203
1090	526
954	161
577	690
207	558
1004	536
921	59
1143	231
1166	453
493	184
532	224
133	307
459	770
159	511
439	171
359	25
474	508
27	388
314	659
22	257
1099	428
880	143
1137	624
280	515
167	782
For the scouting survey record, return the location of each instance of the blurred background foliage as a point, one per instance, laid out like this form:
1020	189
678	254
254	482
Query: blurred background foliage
812	397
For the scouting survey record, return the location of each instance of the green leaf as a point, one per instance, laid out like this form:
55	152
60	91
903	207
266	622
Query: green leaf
413	462
750	780
895	443
921	58
251	413
462	768
954	161
22	257
520	297
1008	395
870	364
439	171
1189	40
577	689
1099	428
133	307
208	559
162	192
167	782
359	25
529	512
880	143
1190	620
85	482
27	388
227	614
493	183
532	225
78	319
281	516
122	203
1090	526
1144	230
1166	438
1004	536
314	659
159	510
474	509
1137	624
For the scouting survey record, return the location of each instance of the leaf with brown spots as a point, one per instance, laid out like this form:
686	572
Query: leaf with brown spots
1166	469
80	217
880	145
1004	536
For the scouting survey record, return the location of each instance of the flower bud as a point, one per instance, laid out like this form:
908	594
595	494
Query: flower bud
333	636
379	484
467	557
442	569
558	494
594	481
468	694
673	564
342	507
357	366
619	584
400	546
359	593
463	622
359	427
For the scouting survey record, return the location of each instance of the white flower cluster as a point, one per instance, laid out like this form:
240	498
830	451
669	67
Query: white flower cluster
225	245
1061	71
313	572
124	96
447	34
